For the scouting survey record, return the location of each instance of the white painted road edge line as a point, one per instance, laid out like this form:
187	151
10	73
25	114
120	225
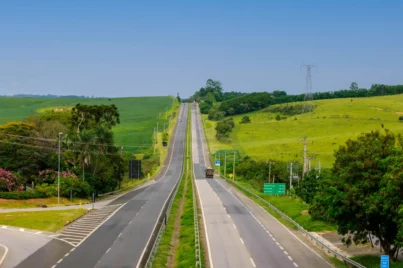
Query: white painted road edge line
5	253
170	160
242	241
253	263
296	265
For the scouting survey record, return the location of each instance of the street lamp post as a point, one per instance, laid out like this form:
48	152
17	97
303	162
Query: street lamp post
58	173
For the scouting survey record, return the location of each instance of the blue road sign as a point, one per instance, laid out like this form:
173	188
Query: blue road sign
384	261
217	163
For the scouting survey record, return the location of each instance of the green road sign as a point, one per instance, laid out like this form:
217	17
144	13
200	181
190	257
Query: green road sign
274	188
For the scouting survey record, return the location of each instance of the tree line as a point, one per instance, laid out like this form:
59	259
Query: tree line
218	104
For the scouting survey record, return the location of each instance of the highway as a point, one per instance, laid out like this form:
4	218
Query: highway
122	239
235	237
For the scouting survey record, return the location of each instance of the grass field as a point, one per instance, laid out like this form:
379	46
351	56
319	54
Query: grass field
328	126
138	115
51	220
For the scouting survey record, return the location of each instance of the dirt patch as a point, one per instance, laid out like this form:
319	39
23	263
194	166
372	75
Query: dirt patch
177	229
304	212
399	112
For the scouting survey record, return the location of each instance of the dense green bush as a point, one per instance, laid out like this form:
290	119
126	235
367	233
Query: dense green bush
247	103
22	195
245	120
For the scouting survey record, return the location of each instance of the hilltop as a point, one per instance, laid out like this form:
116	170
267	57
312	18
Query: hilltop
328	126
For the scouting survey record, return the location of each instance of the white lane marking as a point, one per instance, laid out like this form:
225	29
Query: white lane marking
53	266
4	227
317	254
274	239
120	234
285	252
253	263
38	232
278	244
242	241
130	222
22	230
267	232
270	235
108	250
67	254
281	247
180	175
5	253
234	226
59	261
137	213
296	265
290	258
72	249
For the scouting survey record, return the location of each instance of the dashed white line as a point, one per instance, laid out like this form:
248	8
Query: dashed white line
22	229
296	265
274	239
72	249
281	247
120	234
278	244
267	232
242	241
270	235
290	258
130	222
285	252
253	263
234	226
137	213
67	254
53	266
59	261
38	232
4	227
107	250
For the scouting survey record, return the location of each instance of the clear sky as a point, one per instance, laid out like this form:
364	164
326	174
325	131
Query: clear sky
146	48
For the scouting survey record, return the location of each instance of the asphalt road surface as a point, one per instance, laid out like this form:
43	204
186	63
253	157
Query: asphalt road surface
235	237
122	239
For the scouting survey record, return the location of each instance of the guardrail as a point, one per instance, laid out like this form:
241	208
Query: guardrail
197	229
329	250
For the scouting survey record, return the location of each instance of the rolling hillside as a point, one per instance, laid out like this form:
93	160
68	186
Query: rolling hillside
326	128
138	116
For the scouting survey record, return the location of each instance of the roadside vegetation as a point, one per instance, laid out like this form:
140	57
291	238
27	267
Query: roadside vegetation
50	221
92	159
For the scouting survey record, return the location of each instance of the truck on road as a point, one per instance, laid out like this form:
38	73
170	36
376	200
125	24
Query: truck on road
209	172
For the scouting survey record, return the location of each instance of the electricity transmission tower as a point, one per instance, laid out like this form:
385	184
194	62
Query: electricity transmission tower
308	106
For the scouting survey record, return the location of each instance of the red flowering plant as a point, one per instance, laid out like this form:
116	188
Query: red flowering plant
9	181
49	176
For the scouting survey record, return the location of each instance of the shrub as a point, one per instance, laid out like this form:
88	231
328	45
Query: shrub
278	118
22	195
245	120
9	181
46	189
401	118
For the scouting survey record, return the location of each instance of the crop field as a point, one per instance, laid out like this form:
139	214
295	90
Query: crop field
330	125
138	116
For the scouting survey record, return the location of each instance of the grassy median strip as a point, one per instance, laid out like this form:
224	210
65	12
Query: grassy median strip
51	220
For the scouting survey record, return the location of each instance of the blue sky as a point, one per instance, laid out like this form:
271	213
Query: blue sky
148	48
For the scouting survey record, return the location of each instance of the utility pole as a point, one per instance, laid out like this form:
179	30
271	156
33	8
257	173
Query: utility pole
290	175
58	174
121	150
270	169
305	158
155	140
225	165
233	168
215	160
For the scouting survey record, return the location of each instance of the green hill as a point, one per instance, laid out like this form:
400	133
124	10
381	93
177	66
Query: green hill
138	116
330	124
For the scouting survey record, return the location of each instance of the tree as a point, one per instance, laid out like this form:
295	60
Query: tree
245	120
90	116
354	86
366	193
222	129
278	117
401	118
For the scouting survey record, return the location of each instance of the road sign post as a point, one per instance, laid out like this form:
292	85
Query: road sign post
384	261
217	163
274	188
